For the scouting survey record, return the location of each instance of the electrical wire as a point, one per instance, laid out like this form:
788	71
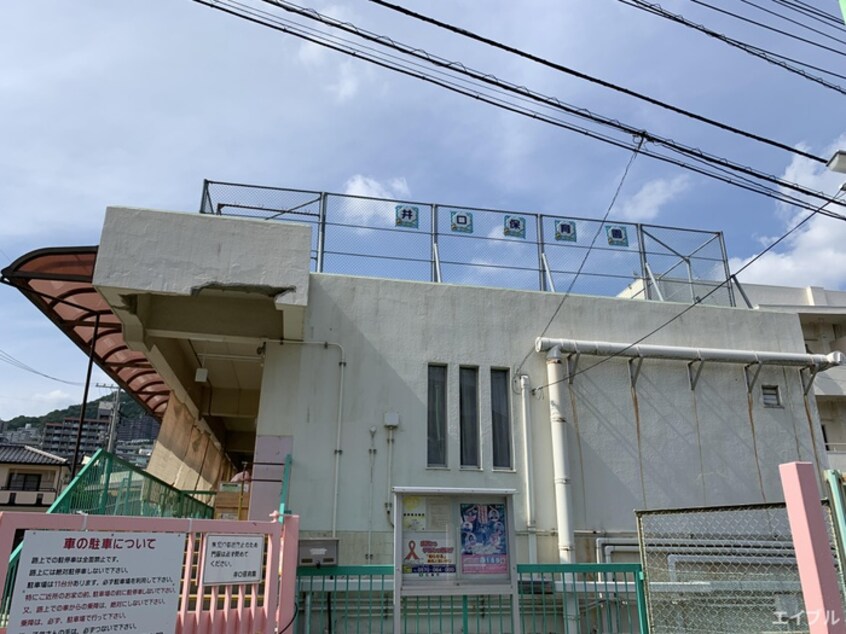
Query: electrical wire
812	12
595	80
491	80
767	27
768	56
8	358
596	235
701	299
796	22
716	167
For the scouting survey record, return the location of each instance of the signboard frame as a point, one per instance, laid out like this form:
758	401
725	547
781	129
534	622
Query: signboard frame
246	550
106	568
501	580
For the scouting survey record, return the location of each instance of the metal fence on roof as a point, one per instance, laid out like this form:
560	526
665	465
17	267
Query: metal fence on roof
408	240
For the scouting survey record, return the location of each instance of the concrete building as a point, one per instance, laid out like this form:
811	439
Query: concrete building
822	315
371	383
59	438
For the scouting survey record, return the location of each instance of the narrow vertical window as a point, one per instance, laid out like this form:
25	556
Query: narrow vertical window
501	420
469	416
436	425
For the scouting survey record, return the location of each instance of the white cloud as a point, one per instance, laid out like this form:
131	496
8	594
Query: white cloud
646	204
54	399
347	84
369	212
815	255
360	185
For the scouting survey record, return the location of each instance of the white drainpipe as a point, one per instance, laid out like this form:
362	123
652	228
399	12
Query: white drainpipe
607	348
528	469
338	427
560	463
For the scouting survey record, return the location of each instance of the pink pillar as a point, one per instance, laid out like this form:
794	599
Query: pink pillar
820	587
288	578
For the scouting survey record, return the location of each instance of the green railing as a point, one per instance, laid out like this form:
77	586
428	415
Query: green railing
107	485
559	598
283	493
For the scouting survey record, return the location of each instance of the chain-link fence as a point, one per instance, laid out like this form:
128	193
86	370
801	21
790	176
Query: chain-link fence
722	569
408	240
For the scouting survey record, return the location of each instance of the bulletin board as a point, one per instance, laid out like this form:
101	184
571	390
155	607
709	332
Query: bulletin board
453	542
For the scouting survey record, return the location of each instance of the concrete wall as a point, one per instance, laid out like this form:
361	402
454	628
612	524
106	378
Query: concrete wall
158	252
185	456
663	446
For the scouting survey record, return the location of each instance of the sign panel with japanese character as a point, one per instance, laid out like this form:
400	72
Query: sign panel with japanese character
233	559
617	235
565	230
461	221
407	216
514	226
78	582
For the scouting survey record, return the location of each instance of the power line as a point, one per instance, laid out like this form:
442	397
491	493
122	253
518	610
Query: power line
8	358
596	235
812	12
773	29
575	73
700	300
770	57
492	80
718	172
792	21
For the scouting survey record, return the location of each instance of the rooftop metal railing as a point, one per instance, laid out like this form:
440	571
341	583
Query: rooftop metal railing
398	239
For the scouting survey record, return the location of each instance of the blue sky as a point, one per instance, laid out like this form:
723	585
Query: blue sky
136	102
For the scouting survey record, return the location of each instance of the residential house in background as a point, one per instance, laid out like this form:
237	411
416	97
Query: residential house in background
30	478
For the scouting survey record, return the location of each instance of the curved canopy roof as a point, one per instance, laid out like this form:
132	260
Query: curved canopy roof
58	281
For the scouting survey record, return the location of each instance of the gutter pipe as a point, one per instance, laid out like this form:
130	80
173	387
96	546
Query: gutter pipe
560	461
338	450
645	351
528	470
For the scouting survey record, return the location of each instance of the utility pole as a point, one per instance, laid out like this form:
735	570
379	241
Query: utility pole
113	418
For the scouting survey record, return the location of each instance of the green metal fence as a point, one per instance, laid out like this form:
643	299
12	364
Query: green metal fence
554	598
107	485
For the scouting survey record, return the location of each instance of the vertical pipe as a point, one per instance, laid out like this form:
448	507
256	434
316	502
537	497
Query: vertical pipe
321	233
528	469
342	363
729	276
204	195
433	229
85	395
690	280
560	463
644	265
539	239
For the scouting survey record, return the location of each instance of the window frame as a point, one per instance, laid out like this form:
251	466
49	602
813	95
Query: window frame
26	477
436	416
502	435
771	396
469	419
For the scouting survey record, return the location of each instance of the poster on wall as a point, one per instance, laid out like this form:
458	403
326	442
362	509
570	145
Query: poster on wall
484	539
428	555
414	513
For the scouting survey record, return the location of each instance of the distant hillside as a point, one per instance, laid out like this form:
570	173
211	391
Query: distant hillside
128	409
